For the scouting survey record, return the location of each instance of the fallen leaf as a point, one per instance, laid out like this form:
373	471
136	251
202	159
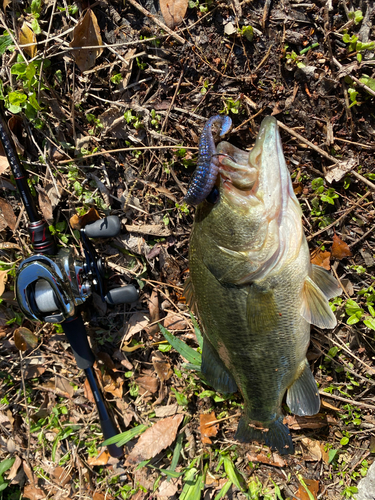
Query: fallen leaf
78	222
153	307
114	387
372	444
34	371
342	168
62	475
33	493
25	36
173	11
101	459
207	427
138	321
14	469
3	280
64	386
340	249
297	187
230	29
273	459
321	259
297	423
325	404
25	339
313	448
313	487
8	214
166	411
98	495
6	3
162	367
44	203
155	439
4	163
43	411
168	487
87	392
149	384
175	322
86	33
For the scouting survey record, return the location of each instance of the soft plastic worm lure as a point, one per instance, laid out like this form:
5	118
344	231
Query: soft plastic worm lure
205	174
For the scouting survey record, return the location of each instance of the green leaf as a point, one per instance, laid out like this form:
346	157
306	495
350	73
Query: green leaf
332	455
197	331
224	490
164	347
370	323
352	320
17	98
181	398
370	82
34	102
18	69
344	441
186	352
6	464
351	307
5	42
233	474
193	481
126	436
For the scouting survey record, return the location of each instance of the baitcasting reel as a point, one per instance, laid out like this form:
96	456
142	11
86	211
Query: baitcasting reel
51	288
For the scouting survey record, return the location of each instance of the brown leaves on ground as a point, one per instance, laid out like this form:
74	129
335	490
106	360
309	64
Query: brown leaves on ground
161	366
320	258
317	421
315	450
340	249
313	487
8	214
273	459
78	222
173	11
87	34
101	459
33	493
175	322
25	339
155	439
208	427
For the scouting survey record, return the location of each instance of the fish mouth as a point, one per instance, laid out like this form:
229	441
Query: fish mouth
259	175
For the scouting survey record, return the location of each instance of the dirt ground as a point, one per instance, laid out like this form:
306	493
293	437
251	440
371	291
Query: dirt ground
116	128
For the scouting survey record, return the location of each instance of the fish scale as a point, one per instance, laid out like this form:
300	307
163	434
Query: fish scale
256	292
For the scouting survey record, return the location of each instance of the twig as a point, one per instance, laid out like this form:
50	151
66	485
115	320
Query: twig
364	86
362	237
109	151
172	102
345	400
156	21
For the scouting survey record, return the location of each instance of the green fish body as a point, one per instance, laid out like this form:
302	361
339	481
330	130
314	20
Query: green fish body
256	292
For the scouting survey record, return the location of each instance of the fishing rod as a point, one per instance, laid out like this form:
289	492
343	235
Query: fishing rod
52	285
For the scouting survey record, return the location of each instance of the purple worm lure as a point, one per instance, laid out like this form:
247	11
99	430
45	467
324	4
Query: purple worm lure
205	174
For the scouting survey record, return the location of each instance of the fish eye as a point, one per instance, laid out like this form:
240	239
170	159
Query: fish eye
214	196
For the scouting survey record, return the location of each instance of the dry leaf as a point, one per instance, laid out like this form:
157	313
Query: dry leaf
321	259
166	411
155	439
25	339
313	487
25	36
297	423
4	163
62	476
313	448
297	187
14	469
87	392
43	411
98	495
153	307
101	459
64	386
162	367
3	280
45	203
175	322
325	404
33	493
273	459
207	427
168	487
343	167
78	222
6	3
138	321
173	11
34	371
86	34
114	387
340	249
149	384
8	214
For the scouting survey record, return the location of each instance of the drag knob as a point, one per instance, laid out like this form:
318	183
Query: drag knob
123	295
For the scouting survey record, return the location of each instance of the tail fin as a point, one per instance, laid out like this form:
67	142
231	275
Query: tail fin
274	434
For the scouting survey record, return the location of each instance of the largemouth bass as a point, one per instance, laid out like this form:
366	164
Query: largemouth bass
255	290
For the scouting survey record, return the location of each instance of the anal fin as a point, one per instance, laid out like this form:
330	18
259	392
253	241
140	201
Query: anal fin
276	434
303	396
325	281
214	370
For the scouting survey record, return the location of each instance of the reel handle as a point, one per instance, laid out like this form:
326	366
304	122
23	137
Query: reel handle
109	227
75	332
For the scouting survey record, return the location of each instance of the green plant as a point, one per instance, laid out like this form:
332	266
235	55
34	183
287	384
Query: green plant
247	32
201	6
58	231
97	125
155	119
34	10
357	16
134	120
357	46
231	106
4	466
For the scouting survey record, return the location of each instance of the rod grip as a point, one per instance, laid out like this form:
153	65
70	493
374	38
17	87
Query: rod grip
75	332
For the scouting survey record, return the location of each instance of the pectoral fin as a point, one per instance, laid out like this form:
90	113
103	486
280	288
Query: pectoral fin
315	306
214	370
325	281
189	294
303	396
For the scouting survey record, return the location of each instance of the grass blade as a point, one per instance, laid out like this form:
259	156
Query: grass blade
124	437
186	352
